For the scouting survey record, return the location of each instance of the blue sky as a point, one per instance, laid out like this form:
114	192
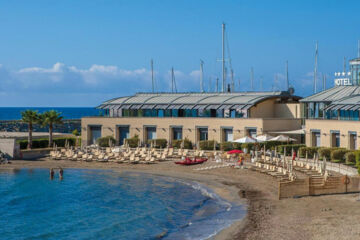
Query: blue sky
80	53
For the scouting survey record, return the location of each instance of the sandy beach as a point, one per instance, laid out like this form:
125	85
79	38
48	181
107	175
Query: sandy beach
322	217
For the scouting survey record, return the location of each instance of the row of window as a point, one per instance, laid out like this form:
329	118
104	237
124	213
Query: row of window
316	110
230	113
334	139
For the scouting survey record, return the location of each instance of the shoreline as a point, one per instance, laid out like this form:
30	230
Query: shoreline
266	216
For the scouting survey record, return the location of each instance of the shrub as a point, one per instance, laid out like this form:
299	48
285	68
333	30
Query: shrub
158	143
44	142
104	141
324	152
187	144
357	158
133	142
76	132
289	147
312	151
208	145
338	154
350	158
227	146
270	144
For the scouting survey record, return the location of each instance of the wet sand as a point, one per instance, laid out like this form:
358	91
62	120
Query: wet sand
323	217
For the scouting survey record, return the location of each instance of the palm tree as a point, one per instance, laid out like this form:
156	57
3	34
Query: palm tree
30	117
50	118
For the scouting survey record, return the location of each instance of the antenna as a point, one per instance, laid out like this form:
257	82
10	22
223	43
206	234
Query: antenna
217	84
201	76
232	80
152	75
223	59
324	82
287	75
315	68
344	64
173	82
252	78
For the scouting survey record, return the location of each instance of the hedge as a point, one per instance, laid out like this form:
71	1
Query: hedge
357	158
338	155
350	158
187	144
227	146
208	145
289	148
133	142
104	141
312	151
158	143
44	142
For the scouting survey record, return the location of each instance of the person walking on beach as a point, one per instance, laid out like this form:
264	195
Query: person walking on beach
61	173
51	173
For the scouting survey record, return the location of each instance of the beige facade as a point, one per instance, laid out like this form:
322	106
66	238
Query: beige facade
190	127
330	133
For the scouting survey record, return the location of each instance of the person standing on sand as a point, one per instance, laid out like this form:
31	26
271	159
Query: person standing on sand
61	173
51	173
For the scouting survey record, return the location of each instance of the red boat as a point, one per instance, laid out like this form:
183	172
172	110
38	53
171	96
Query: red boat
189	161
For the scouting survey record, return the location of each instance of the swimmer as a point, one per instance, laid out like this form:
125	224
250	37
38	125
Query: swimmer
51	173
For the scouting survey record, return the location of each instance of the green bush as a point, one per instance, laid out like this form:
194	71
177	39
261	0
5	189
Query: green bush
133	142
357	158
44	142
227	146
312	151
208	145
338	154
187	144
326	152
350	158
76	132
270	144
289	147
158	143
104	141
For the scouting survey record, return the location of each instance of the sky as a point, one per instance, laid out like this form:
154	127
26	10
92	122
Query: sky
83	52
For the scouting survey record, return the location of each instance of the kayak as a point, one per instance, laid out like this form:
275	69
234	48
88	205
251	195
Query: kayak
189	161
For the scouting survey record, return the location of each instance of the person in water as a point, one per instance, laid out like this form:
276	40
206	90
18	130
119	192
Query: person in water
61	173
51	173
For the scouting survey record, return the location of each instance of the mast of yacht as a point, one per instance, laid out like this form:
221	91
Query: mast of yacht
223	58
316	66
201	75
152	75
173	82
287	75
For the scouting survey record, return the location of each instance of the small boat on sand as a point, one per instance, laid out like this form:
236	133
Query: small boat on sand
189	161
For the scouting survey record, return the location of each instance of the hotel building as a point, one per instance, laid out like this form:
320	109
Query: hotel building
332	116
196	116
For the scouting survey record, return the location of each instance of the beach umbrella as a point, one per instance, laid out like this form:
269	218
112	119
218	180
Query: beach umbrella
282	138
246	139
235	151
264	138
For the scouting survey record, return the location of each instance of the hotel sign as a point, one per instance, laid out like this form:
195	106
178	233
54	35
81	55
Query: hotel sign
342	80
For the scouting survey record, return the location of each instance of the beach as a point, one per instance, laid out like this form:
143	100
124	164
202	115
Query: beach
267	217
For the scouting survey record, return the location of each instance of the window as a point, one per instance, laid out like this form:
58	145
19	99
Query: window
160	113
335	138
175	112
251	132
315	138
228	134
352	140
203	134
95	133
177	133
168	113
150	133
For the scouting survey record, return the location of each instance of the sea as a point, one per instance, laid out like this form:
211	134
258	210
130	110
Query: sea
14	113
103	204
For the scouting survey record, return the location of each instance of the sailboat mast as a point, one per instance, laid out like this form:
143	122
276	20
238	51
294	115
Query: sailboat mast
201	76
315	68
223	58
172	79
152	75
287	75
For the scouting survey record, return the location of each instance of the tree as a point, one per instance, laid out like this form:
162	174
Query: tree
30	117
50	118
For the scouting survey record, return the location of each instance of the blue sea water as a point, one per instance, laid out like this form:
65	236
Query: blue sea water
14	113
102	204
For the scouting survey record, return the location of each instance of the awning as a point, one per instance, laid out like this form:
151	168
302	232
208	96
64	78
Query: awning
347	107
200	107
103	106
187	106
135	106
212	106
225	107
112	106
161	106
174	106
147	106
291	132
125	106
